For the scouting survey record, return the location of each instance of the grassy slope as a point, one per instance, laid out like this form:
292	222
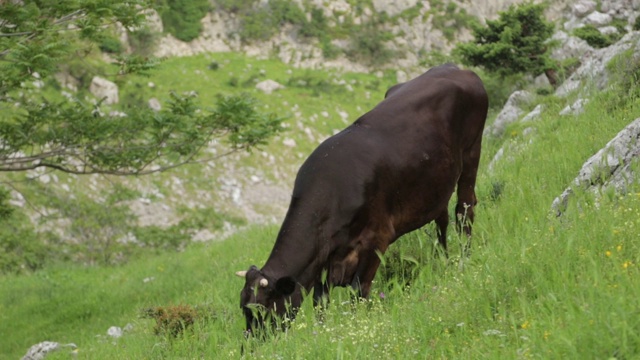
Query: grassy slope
534	287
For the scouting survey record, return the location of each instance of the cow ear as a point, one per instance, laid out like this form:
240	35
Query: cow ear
286	285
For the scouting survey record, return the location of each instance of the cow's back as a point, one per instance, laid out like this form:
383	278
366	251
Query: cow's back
401	160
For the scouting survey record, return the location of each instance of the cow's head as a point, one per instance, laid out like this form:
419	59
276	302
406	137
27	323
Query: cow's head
267	300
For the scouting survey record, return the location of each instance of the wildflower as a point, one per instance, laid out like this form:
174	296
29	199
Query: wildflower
626	264
382	296
525	325
608	253
619	247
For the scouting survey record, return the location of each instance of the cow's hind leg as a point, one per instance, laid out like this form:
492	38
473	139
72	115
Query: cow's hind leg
375	244
466	191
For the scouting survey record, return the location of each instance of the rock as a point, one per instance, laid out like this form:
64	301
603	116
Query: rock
569	46
289	143
40	350
268	86
103	88
609	167
510	112
154	104
66	80
115	332
583	7
608	30
534	114
598	19
575	108
393	7
593	65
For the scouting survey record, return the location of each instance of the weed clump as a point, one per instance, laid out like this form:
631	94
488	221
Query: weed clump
173	320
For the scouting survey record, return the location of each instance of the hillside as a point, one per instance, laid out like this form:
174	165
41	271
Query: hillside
536	285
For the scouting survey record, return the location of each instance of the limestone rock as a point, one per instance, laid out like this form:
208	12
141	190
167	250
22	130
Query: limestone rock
103	88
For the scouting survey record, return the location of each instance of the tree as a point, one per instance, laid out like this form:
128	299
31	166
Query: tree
515	43
81	136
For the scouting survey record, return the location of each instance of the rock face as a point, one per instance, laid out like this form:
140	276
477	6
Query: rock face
594	64
609	167
413	36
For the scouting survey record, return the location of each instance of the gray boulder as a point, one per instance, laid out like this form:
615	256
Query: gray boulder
103	88
511	112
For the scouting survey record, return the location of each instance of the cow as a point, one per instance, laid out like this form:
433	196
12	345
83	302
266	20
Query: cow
390	172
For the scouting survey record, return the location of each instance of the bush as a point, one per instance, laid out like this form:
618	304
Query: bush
264	22
111	44
368	45
143	41
594	37
20	248
181	18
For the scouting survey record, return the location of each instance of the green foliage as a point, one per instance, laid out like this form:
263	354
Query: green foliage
111	44
235	6
97	230
515	43
449	18
172	320
181	18
625	71
594	37
263	22
511	298
368	44
636	24
143	41
37	40
20	248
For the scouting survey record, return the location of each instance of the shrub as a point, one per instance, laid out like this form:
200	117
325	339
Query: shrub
20	247
368	45
111	44
181	18
594	37
171	320
143	41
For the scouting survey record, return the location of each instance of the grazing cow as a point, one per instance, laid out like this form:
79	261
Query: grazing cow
390	172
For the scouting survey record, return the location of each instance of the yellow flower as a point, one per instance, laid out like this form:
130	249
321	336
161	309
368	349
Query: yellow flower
608	253
546	335
525	325
626	264
619	247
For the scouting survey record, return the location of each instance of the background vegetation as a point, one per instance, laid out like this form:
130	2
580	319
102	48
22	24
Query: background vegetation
535	286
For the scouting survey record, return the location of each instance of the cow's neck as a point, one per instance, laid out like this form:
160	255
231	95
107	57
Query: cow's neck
301	249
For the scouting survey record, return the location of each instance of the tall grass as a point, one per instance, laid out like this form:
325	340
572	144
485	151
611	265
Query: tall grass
534	286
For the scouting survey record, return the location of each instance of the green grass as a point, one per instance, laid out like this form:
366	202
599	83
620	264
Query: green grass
535	286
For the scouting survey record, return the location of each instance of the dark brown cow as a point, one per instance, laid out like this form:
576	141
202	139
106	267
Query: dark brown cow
389	173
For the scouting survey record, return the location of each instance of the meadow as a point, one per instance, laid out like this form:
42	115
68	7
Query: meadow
534	286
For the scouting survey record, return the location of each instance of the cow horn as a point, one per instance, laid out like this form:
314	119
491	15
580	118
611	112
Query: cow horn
242	273
264	282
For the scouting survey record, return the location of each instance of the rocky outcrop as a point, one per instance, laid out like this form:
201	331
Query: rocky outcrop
511	112
593	64
608	168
